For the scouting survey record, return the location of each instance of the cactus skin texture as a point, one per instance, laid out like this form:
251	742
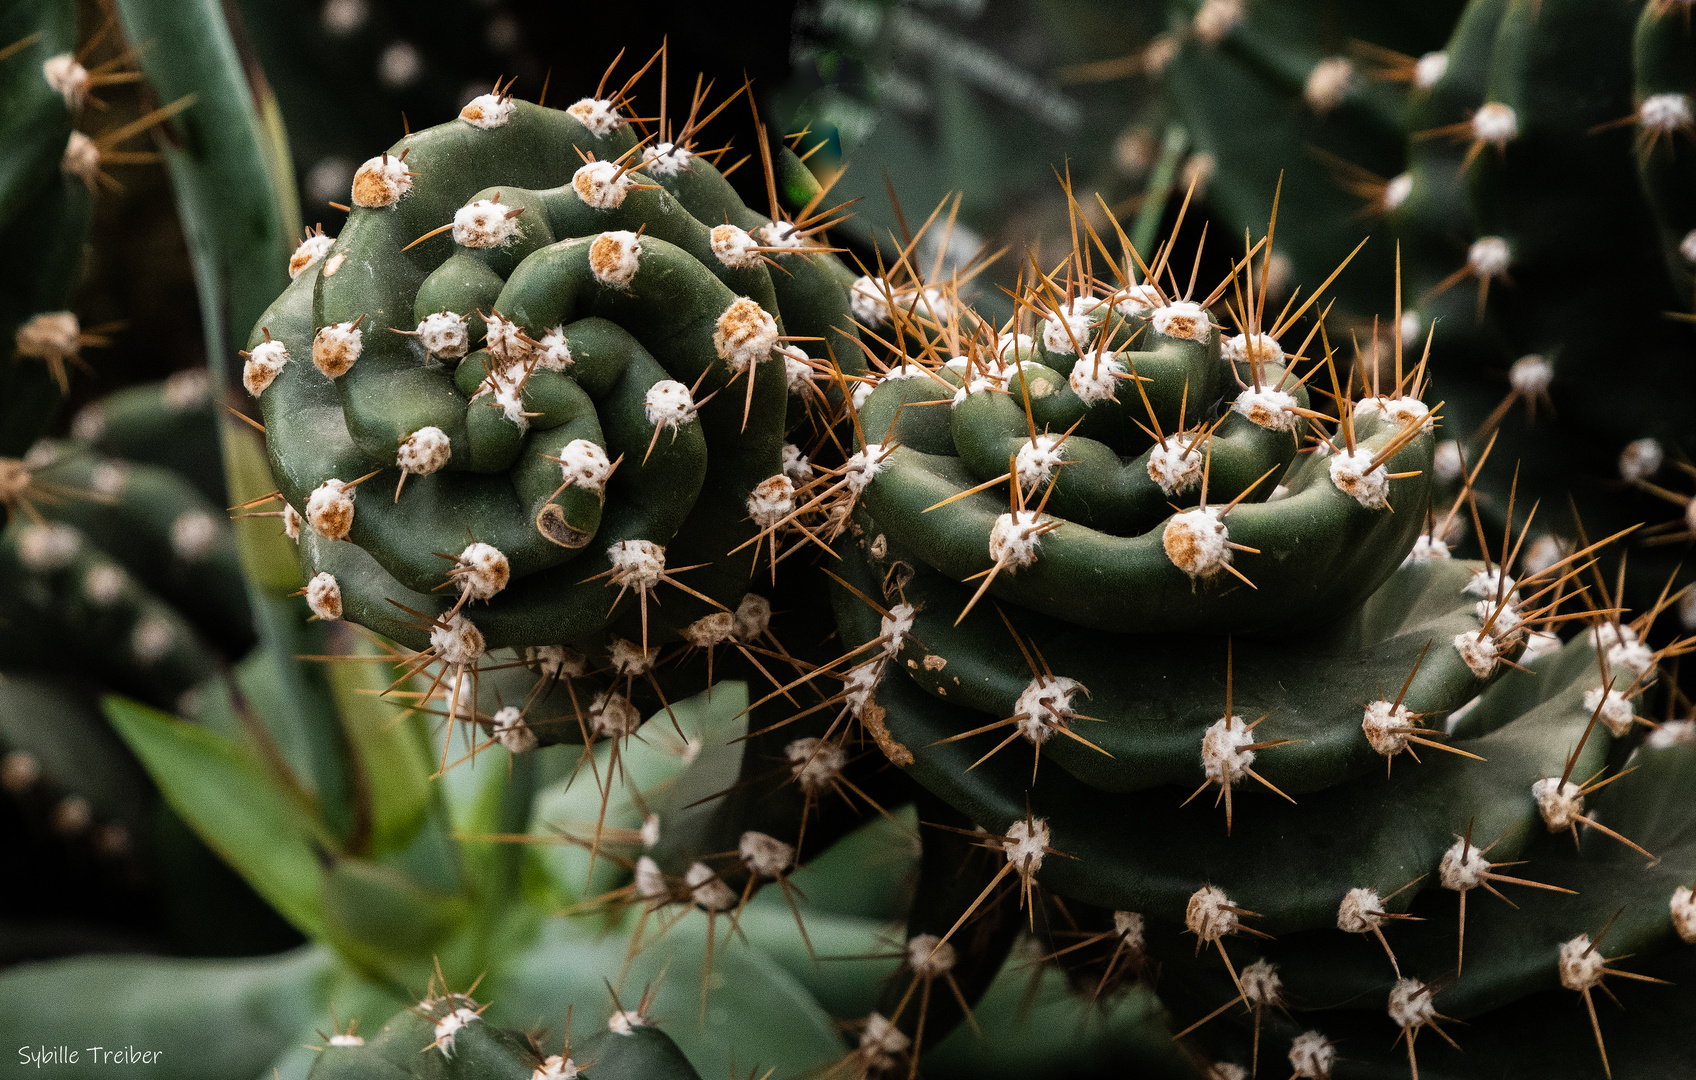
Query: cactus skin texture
1530	162
1137	686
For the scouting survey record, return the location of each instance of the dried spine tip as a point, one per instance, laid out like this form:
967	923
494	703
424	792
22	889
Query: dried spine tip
814	763
1356	476
488	111
602	184
734	247
1328	83
612	716
484	224
744	334
614	257
1026	843
424	451
481	571
457	642
336	347
311	249
765	855
1269	407
1176	464
381	181
1361	911
263	365
707	889
1683	907
510	730
1311	1056
1615	709
600	116
584	464
50	336
329	510
1094	377
771	501
1479	650
1210	915
1015	538
668	403
1196	542
930	956
1183	319
67	78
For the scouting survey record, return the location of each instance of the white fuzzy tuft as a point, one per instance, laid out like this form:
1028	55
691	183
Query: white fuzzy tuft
450	1025
310	250
1136	300
636	564
1530	375
263	366
1311	1056
555	1067
1426	548
291	522
602	185
329	510
614	257
1183	319
1447	462
868	299
1037	460
1195	541
764	855
1581	963
1176	464
506	341
481	571
1615	710
1269	407
668	403
707	889
864	466
584	464
484	224
1356	476
381	181
1094	377
192	535
744	334
880	1042
336	347
612	716
929	956
1328	83
424	451
67	78
1071	331
859	684
666	159
1387	726
1263	348
627	1021
509	729
458	642
1463	867
553	352
1641	459
1479	650
752	617
1210	915
1663	114
781	235
151	639
1683	906
1410	1004
814	763
1488	257
1360	912
1015	538
1397	191
710	630
1223	758
46	548
1045	706
1430	69
556	661
1262	988
734	247
1026	844
1495	124
1561	804
1216	19
488	111
772	500
600	116
52	335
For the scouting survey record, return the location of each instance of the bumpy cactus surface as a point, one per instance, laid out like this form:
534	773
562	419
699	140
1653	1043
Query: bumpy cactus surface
1148	568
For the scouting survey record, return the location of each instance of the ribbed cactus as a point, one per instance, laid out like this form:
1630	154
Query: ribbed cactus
1050	564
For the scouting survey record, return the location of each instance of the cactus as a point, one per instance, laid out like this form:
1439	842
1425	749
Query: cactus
1071	615
1525	159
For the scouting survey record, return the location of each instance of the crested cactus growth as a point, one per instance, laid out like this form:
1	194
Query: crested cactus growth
1385	729
590	381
